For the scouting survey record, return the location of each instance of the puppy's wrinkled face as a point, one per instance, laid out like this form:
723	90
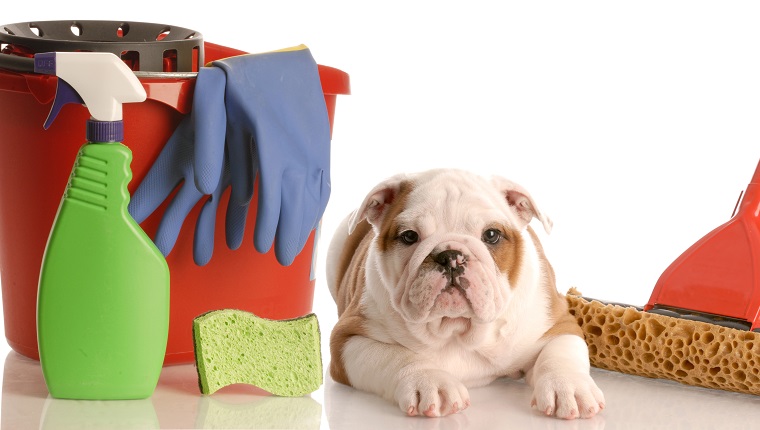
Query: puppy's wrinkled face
449	246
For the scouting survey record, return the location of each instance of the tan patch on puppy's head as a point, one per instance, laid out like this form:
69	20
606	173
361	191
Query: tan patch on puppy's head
387	196
507	252
388	229
522	203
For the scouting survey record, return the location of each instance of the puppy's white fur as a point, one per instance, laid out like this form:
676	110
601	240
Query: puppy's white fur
418	325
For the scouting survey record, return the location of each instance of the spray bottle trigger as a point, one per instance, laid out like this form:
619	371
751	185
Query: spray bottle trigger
64	94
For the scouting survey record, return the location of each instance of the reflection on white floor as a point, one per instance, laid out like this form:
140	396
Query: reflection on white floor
176	404
632	403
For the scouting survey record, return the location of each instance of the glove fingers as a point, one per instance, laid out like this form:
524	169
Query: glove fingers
295	221
176	212
293	230
163	176
203	243
235	225
205	228
268	212
314	205
242	171
210	120
149	195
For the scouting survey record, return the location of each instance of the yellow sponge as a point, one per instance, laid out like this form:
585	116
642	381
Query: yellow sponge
627	340
234	346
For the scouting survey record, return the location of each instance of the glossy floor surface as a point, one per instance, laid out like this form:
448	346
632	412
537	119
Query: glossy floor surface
633	403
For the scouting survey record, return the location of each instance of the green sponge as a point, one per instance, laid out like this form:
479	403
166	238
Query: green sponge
237	347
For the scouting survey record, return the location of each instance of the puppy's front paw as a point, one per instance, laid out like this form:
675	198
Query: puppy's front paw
567	395
433	393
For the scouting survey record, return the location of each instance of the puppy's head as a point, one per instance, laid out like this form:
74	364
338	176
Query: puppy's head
448	244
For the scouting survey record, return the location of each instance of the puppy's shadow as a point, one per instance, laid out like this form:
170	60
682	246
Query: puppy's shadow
349	408
502	404
508	401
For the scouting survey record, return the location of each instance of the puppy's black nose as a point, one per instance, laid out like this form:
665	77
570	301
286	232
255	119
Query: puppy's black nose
449	258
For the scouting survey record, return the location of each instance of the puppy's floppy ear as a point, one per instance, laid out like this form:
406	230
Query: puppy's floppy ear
377	201
521	202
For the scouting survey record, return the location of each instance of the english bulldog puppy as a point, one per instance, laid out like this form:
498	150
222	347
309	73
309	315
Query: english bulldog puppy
441	285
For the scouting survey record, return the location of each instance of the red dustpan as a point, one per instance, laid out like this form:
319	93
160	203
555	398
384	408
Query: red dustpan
718	278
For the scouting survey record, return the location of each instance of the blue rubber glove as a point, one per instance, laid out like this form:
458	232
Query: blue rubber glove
270	110
175	166
278	128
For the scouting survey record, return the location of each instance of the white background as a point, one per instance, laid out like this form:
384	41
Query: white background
634	124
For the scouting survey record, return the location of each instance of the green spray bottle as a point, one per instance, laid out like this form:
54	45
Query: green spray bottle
103	299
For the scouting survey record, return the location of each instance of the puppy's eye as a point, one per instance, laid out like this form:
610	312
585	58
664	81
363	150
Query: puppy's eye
492	236
409	237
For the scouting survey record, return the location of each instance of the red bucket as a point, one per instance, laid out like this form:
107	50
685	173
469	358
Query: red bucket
35	165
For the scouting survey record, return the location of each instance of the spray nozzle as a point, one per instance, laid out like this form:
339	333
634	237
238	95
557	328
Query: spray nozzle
99	80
